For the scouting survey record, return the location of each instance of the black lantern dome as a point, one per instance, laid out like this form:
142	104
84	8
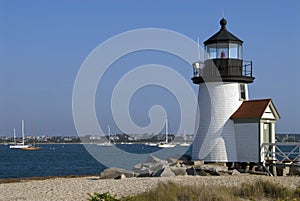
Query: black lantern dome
224	59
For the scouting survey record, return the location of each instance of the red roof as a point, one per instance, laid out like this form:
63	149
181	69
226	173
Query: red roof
251	109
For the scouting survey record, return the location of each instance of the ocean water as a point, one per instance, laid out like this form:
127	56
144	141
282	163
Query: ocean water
51	160
62	159
74	159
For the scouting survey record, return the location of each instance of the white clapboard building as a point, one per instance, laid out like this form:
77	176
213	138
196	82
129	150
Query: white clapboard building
231	128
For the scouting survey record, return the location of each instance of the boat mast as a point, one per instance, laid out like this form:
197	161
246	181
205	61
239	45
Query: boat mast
15	141
166	130
108	128
23	136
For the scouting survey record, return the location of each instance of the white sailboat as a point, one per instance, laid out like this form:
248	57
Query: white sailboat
166	144
22	144
107	144
184	144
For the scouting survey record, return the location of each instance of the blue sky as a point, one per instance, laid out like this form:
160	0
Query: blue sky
43	44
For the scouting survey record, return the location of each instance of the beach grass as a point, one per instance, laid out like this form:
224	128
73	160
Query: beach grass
261	190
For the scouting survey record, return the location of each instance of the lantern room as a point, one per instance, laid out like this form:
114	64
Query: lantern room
224	59
223	45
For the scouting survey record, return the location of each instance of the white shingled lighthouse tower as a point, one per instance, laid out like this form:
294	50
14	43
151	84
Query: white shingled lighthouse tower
223	80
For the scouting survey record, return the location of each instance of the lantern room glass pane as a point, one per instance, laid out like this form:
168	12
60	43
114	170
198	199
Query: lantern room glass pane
233	51
222	50
212	51
240	56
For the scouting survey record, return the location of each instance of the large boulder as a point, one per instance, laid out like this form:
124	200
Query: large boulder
201	172
191	171
165	172
113	173
178	171
235	172
141	170
122	176
148	169
153	159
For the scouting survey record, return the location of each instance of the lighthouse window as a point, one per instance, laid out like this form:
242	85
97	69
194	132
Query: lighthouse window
222	50
240	56
233	51
212	51
242	92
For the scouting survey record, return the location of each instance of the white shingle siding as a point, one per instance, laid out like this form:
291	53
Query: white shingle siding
247	141
215	139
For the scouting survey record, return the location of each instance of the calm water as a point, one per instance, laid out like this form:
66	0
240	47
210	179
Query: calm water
57	160
51	160
67	159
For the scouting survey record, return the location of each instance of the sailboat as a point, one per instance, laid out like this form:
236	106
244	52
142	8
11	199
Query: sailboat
166	144
107	144
19	145
31	147
185	144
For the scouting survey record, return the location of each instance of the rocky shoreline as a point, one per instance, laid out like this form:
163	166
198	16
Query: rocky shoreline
155	167
143	177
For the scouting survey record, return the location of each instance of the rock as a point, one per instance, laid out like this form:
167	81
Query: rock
148	169
214	169
112	173
122	176
191	171
235	172
257	173
179	171
142	171
294	170
172	160
186	159
165	172
157	167
230	165
259	168
177	165
201	172
153	159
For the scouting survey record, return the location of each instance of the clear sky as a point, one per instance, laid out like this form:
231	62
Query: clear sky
43	44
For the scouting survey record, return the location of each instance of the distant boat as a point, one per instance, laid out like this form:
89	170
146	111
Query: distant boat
31	148
185	144
19	145
107	144
166	144
151	144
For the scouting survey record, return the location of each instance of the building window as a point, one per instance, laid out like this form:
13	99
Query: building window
242	92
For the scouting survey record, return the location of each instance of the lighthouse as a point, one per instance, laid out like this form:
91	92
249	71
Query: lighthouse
230	126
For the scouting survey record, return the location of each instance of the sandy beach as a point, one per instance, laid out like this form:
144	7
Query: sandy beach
77	188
